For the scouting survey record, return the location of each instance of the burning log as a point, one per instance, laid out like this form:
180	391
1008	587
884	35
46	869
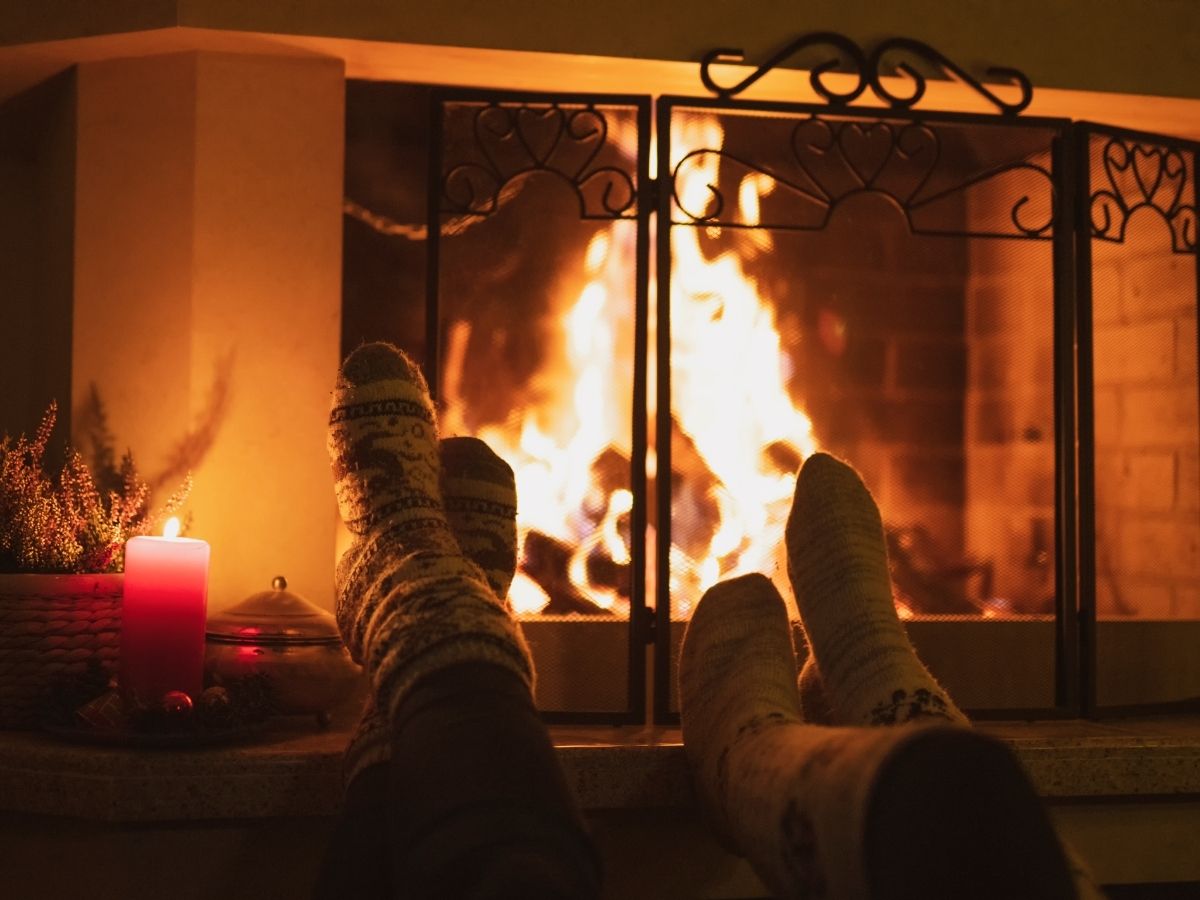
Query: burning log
695	513
609	471
933	586
546	560
783	456
605	572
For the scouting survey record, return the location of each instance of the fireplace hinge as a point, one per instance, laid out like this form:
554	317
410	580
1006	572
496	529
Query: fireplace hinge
652	187
649	627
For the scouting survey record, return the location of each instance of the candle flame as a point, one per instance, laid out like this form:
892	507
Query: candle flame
171	527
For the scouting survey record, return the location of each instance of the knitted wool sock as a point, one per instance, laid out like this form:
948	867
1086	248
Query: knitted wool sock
838	564
839	572
480	495
746	745
480	498
884	813
408	601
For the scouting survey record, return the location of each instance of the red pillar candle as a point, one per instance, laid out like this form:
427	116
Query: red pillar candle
163	616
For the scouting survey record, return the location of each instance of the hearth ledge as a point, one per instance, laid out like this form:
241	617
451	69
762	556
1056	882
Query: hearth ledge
294	770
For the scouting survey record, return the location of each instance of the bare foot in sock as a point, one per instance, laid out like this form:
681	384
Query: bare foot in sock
863	670
409	601
479	493
838	566
880	813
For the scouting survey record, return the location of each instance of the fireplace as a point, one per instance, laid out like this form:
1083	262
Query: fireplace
1000	493
993	316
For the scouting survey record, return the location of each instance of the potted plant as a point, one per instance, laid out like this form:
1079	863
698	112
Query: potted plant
62	544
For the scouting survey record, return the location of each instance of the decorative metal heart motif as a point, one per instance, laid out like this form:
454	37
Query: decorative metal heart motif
539	131
1148	170
1155	173
866	150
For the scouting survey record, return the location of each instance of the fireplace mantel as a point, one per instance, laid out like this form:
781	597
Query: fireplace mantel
1089	61
1082	44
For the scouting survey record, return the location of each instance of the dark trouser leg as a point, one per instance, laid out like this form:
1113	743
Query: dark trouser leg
480	807
476	806
356	863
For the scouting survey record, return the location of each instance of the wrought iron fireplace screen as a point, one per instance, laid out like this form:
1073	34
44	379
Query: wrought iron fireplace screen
914	290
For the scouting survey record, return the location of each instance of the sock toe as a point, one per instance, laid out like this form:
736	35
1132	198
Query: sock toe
479	492
739	629
378	362
382	440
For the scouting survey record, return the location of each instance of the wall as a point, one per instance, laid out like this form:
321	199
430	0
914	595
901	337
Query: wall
176	248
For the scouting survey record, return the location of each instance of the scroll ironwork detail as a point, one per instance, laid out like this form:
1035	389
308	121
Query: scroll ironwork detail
517	140
832	161
868	71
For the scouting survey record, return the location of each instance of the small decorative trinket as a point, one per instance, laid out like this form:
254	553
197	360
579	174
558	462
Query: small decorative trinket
177	704
104	713
294	645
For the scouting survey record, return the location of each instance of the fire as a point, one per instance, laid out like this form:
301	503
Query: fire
728	379
554	447
729	373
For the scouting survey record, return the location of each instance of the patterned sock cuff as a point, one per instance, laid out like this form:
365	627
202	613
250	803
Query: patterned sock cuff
449	623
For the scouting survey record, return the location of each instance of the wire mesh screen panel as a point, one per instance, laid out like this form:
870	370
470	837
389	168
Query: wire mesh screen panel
1142	222
993	317
540	321
882	289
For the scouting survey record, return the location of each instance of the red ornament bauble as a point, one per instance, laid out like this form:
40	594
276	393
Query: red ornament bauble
177	704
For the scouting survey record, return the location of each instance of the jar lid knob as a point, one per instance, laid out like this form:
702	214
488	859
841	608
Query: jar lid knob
279	583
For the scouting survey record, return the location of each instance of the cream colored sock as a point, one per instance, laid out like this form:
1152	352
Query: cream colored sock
839	571
409	602
838	565
791	796
880	813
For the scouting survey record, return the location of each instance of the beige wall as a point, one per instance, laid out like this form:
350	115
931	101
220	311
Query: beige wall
207	294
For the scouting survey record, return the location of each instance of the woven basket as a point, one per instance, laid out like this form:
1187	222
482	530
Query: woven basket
52	627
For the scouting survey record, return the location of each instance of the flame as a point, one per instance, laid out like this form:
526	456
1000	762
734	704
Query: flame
171	527
729	377
729	398
587	411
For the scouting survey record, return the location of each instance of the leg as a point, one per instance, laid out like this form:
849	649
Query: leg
483	810
850	811
449	670
479	494
863	670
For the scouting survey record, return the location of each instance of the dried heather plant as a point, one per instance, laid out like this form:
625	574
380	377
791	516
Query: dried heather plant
64	523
